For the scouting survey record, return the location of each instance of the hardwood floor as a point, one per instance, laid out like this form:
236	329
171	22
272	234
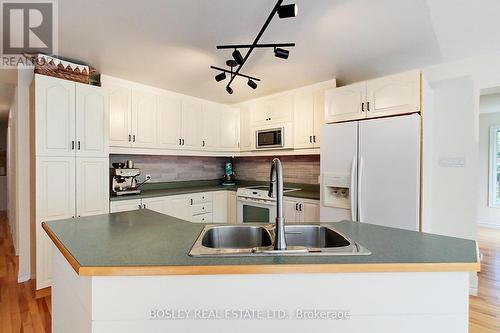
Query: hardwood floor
485	308
21	312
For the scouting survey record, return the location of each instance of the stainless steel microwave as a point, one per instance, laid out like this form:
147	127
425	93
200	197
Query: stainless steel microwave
270	138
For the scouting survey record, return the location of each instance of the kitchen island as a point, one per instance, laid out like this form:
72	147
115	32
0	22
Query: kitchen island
131	272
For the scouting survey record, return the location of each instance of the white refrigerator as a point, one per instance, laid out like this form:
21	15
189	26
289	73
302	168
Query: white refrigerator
370	171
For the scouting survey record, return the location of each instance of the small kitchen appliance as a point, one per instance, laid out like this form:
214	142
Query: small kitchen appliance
124	181
229	177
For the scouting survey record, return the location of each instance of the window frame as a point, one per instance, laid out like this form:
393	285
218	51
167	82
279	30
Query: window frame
492	177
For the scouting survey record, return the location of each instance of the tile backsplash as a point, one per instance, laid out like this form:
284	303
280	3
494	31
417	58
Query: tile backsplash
296	169
175	168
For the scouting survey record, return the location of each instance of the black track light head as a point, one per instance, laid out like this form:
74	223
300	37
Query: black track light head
281	53
220	77
238	57
286	11
229	90
252	84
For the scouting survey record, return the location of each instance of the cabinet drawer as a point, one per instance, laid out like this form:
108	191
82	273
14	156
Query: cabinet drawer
203	218
202	208
202	197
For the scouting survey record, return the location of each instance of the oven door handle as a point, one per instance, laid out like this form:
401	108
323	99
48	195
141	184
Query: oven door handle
247	200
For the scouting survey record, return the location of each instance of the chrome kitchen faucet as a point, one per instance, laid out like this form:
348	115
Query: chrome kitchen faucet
276	190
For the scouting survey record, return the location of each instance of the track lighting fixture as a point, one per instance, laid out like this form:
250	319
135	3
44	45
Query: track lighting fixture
238	57
252	84
220	77
281	53
238	61
286	11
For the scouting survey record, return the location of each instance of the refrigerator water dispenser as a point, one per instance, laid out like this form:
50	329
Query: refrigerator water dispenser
337	190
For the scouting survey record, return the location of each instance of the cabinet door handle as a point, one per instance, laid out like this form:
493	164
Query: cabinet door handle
144	206
183	142
191	201
314	138
129	138
363	107
297	206
310	139
180	142
72	145
133	138
300	207
140	206
203	143
79	145
368	106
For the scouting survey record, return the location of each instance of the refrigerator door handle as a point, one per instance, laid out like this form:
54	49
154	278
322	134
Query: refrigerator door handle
353	190
360	187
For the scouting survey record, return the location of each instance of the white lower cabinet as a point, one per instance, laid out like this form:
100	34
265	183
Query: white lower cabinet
301	210
203	207
125	205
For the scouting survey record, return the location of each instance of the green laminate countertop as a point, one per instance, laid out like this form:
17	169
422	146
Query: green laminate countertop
144	242
178	188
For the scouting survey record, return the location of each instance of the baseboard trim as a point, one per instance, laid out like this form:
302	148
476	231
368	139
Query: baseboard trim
41	293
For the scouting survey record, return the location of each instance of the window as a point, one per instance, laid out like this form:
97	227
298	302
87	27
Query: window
495	167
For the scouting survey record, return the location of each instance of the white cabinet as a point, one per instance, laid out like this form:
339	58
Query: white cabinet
230	129
392	95
346	103
156	204
220	207
55	116
125	205
92	121
246	133
120	116
144	119
209	127
92	178
309	109
55	200
169	122
232	207
387	96
191	112
301	210
180	207
273	110
71	123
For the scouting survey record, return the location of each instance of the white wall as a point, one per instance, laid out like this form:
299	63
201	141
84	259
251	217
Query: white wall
487	216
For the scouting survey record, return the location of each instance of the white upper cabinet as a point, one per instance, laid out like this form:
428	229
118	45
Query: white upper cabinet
120	116
209	127
230	129
304	120
346	103
319	116
246	133
92	121
191	112
387	96
396	94
55	116
272	110
144	119
92	179
169	122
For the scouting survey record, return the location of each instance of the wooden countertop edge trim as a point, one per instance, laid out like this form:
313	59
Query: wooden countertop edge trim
278	269
69	257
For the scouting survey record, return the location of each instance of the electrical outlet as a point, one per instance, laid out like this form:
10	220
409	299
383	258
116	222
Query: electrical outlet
148	178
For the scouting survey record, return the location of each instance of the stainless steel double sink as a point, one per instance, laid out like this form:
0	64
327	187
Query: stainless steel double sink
258	240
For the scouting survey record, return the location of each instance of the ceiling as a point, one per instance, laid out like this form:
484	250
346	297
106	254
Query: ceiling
171	43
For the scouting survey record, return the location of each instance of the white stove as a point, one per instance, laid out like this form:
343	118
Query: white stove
255	205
